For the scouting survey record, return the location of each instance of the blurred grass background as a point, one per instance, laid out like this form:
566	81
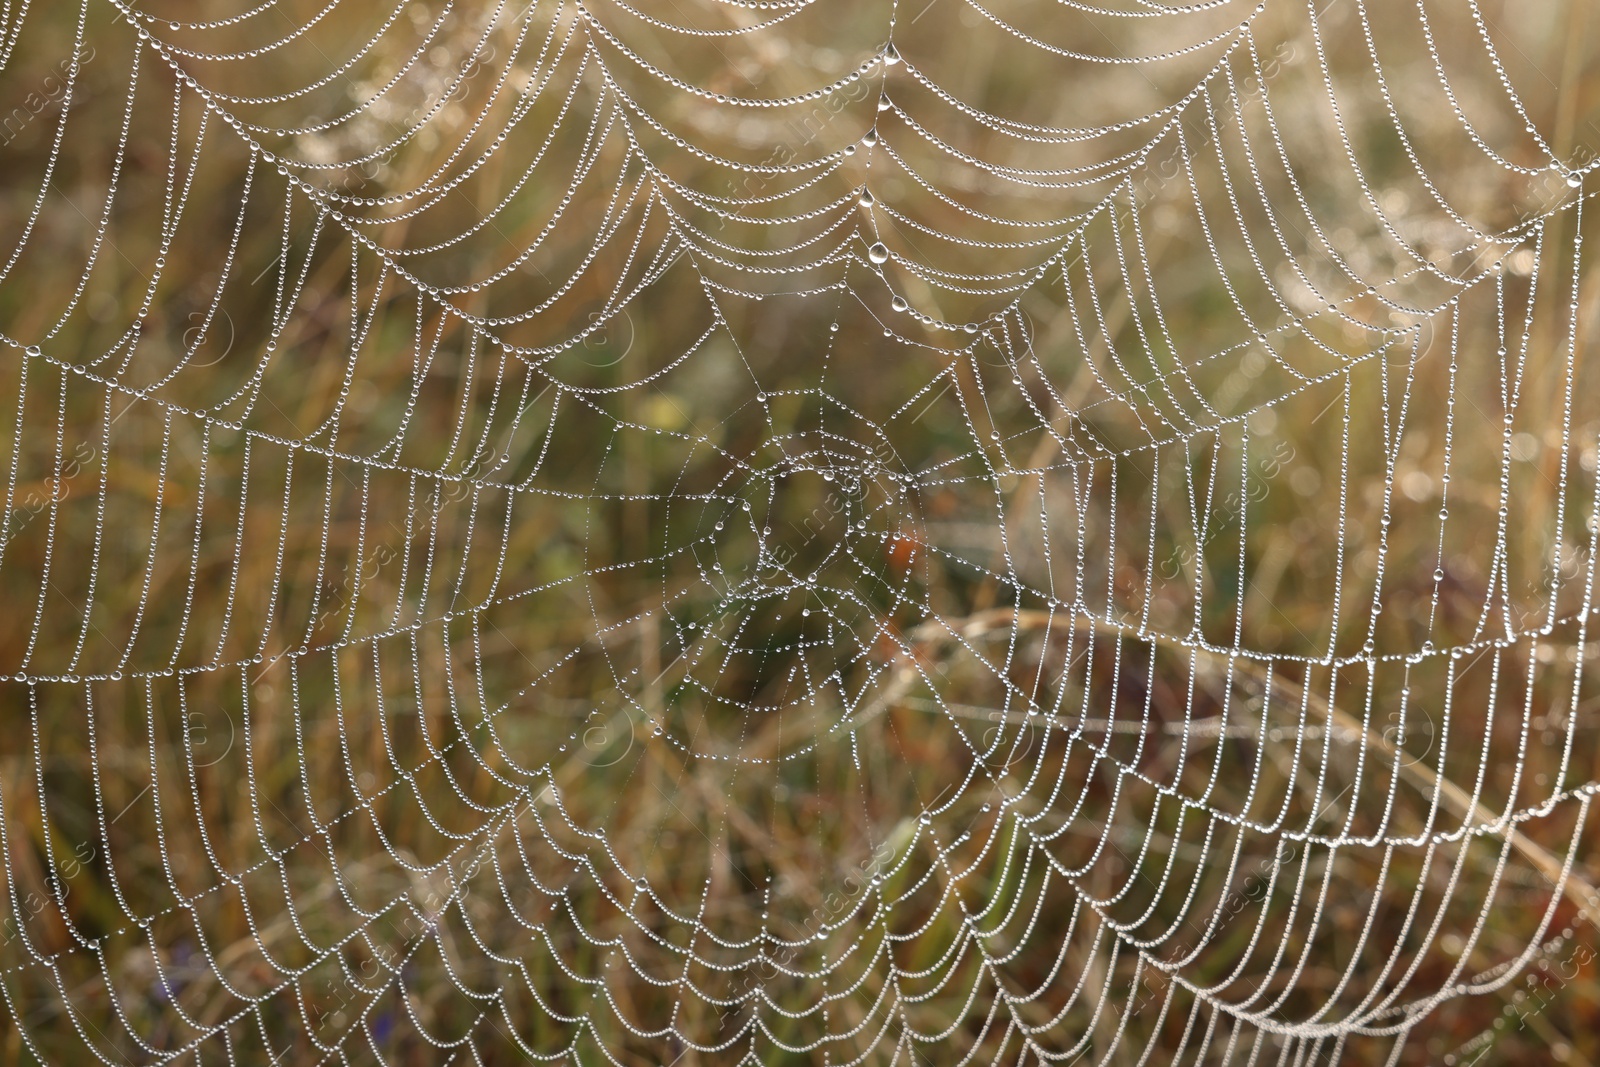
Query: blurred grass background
182	737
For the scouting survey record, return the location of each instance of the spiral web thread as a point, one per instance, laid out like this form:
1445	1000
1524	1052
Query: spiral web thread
791	532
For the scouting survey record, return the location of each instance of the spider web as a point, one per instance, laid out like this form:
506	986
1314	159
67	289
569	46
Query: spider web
790	532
